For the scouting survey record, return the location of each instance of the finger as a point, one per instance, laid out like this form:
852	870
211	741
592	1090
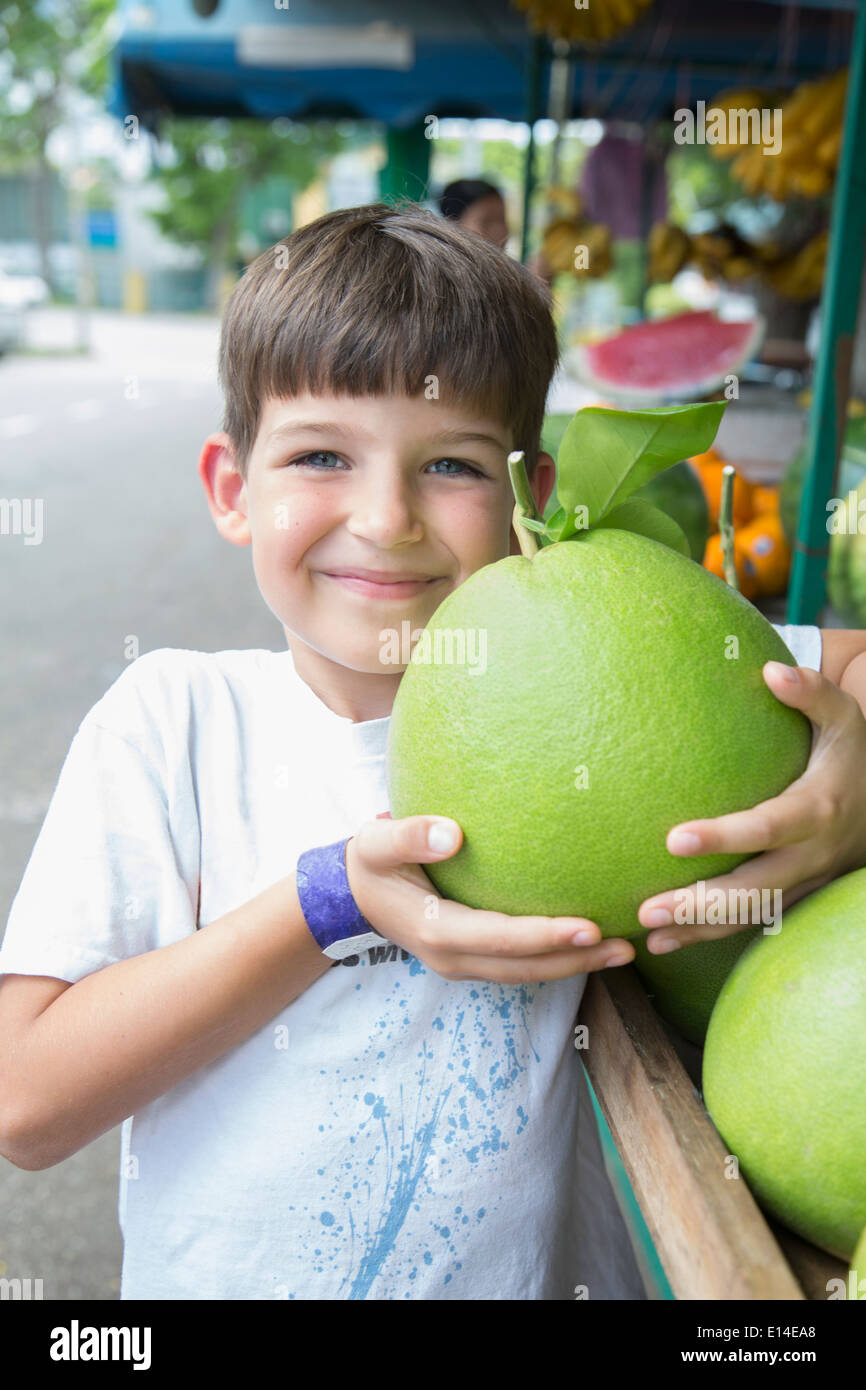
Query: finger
751	895
383	843
802	890
801	688
559	965
457	928
781	820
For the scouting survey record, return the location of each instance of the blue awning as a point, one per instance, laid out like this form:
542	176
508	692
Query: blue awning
397	62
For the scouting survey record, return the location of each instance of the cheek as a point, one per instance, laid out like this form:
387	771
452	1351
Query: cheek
480	509
474	524
286	522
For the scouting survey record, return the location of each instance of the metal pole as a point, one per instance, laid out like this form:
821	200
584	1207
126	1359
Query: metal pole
839	305
559	100
647	189
533	111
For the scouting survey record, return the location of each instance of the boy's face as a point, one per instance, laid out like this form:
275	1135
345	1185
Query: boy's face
400	485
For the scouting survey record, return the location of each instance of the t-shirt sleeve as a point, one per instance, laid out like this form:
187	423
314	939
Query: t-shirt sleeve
110	876
803	642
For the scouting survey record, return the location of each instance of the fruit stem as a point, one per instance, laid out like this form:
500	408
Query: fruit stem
524	505
726	526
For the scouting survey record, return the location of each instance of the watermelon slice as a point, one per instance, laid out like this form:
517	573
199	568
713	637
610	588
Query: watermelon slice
677	358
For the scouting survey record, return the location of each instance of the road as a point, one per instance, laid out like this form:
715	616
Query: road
104	449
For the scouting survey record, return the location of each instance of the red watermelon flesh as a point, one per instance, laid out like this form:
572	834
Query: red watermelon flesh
687	355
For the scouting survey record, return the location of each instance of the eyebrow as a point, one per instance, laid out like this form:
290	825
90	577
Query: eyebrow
453	436
289	427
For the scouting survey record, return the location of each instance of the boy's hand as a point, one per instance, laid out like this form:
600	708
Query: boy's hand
814	831
461	943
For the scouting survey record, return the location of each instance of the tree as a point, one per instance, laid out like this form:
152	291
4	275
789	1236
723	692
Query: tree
52	51
211	166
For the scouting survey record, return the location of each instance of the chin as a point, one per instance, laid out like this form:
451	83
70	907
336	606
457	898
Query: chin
366	659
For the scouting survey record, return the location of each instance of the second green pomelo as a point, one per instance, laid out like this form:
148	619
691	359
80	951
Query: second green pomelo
784	1067
685	985
858	1268
604	713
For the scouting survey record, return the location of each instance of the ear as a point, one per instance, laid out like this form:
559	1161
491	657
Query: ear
224	488
541	486
543	480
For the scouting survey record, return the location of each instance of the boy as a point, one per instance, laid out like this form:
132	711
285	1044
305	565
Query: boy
396	1118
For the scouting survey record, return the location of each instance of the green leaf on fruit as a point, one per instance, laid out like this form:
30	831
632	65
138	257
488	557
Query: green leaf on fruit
646	520
606	455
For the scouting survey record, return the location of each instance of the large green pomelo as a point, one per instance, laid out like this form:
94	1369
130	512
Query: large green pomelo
604	712
685	985
784	1069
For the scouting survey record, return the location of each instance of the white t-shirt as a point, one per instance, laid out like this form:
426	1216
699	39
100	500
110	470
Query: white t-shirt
390	1134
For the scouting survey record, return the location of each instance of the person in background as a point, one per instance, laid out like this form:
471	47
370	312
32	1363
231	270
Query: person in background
478	206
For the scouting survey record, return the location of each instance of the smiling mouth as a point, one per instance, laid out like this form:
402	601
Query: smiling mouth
404	588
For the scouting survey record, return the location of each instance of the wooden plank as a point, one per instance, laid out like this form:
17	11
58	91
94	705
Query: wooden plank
813	1267
710	1235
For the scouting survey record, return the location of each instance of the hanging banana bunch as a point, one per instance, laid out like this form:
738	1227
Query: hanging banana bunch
800	276
724	254
595	22
669	249
578	247
749	99
811	138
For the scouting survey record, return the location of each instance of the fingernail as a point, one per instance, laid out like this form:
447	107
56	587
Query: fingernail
442	836
684	842
785	672
659	917
586	937
667	943
618	958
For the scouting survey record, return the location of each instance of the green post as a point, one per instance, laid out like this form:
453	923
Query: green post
406	172
839	304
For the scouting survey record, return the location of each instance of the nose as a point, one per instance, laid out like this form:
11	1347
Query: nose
384	511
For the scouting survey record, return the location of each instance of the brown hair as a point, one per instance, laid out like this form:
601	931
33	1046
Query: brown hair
377	299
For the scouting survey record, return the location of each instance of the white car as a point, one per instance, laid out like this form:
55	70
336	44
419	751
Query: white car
22	291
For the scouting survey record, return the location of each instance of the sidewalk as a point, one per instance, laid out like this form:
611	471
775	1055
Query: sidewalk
168	346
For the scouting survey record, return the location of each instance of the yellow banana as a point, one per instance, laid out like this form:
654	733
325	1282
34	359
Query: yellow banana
828	149
826	110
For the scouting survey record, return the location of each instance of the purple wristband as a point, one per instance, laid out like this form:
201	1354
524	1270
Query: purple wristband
330	911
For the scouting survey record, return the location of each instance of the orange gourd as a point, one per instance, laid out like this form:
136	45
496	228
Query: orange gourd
714	562
765	544
709	471
764	499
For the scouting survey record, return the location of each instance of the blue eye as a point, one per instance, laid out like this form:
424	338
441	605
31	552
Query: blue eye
316	454
309	461
476	472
